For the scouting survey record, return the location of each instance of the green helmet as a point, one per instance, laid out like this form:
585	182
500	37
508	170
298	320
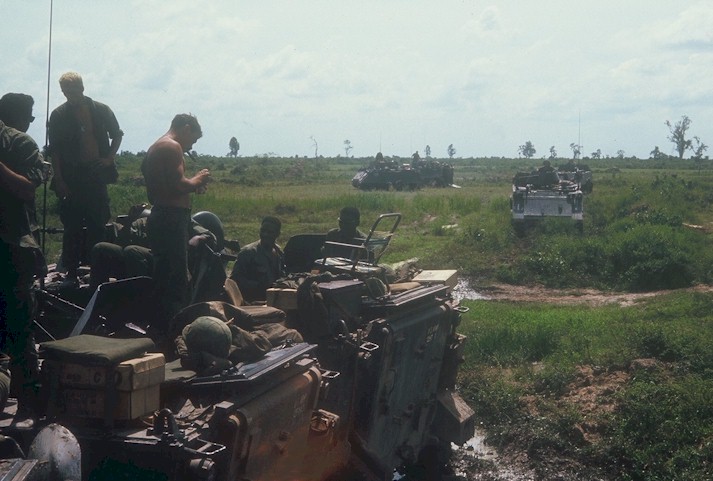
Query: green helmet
208	334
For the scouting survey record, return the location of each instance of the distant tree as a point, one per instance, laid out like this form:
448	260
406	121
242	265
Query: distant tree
656	154
314	144
527	150
678	135
451	151
427	150
347	147
620	154
234	147
597	154
576	150
553	152
698	148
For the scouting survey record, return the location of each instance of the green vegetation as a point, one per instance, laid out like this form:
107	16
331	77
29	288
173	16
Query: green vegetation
529	368
636	235
646	228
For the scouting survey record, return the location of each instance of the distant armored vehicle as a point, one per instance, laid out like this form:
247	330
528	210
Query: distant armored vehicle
387	175
545	194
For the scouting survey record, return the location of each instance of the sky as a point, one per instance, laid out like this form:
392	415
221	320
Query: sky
299	77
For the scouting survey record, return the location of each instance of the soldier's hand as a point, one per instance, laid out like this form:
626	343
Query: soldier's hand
197	240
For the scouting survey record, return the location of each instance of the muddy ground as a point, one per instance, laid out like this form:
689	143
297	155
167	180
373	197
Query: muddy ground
591	392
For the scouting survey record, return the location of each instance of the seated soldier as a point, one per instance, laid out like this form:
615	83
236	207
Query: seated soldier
260	264
129	254
346	233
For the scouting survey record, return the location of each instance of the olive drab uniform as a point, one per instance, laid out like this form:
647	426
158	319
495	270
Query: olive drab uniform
21	260
80	141
256	269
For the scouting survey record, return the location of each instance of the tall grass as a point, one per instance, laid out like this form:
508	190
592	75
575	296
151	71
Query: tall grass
635	235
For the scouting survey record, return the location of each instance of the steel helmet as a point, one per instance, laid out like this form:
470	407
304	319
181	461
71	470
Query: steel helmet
211	222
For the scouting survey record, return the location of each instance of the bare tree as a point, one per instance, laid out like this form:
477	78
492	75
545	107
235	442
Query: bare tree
553	152
678	135
427	150
698	148
597	154
314	144
576	150
347	147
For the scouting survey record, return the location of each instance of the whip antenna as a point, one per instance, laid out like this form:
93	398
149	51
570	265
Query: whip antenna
49	64
47	125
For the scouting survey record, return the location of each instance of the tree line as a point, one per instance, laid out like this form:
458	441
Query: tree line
678	135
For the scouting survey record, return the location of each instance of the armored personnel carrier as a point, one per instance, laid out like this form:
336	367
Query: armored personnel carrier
390	175
542	194
365	383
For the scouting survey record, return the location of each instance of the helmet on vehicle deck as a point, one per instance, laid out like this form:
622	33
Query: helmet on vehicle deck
211	222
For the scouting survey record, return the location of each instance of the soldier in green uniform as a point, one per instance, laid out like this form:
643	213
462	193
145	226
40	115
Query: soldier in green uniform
21	259
347	233
260	264
83	162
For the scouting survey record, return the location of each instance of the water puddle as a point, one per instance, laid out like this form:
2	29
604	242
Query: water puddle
463	291
494	469
476	447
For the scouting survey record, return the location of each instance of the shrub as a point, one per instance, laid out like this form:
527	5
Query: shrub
663	429
649	257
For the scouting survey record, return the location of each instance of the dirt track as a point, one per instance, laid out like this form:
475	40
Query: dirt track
592	297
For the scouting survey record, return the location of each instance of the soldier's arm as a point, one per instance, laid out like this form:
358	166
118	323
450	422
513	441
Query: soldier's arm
18	185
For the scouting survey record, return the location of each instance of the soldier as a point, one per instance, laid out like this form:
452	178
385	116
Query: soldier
169	224
83	162
546	167
21	172
347	233
260	264
129	255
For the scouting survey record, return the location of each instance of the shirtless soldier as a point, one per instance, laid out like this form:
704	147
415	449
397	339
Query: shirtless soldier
169	224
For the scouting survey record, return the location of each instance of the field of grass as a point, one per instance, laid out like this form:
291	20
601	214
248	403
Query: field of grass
530	368
647	227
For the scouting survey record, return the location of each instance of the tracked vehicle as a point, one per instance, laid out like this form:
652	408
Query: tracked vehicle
368	388
538	195
393	176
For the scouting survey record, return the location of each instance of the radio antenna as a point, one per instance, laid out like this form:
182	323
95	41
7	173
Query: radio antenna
47	128
49	68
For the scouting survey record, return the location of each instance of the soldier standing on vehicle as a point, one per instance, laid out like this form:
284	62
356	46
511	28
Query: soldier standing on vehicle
546	167
169	224
21	259
260	264
83	162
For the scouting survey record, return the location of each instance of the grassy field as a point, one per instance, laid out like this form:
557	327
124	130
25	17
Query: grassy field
648	413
